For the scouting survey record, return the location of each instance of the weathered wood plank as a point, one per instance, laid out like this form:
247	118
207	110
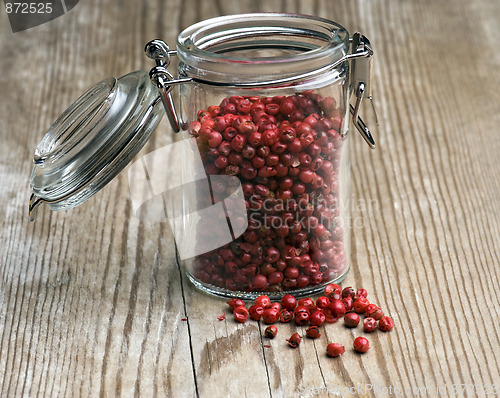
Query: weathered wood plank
92	301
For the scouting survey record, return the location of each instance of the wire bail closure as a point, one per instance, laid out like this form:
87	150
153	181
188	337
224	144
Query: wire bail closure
361	76
160	76
361	69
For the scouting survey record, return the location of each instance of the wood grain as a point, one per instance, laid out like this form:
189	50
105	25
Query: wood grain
92	302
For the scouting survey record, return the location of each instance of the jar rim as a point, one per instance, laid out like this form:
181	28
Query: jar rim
306	43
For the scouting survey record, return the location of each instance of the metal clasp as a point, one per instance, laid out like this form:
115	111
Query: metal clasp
35	201
161	77
361	74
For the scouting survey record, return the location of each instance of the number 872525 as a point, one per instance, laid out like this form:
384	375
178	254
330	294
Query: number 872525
28	8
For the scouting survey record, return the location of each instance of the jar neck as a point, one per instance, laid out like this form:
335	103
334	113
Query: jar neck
253	48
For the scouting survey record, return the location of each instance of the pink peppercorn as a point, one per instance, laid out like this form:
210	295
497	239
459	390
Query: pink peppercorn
369	324
386	324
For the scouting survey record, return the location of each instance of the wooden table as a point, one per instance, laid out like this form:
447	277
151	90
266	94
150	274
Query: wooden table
93	303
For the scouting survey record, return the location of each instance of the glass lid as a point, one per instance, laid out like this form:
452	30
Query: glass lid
94	139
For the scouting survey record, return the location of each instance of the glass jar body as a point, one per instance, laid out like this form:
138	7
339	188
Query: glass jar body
284	151
271	213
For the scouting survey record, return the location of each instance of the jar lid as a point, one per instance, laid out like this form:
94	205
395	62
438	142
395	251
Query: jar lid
94	139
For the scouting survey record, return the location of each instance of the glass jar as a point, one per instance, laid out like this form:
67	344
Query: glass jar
257	188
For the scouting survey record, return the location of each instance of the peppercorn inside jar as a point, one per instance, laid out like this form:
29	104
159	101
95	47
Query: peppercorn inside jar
267	107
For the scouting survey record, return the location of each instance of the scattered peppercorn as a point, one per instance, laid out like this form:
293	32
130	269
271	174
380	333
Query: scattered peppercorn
360	305
271	331
300	308
351	320
285	315
348	302
263	301
302	318
348	292
361	344
233	303
294	340
369	324
370	308
313	332
332	287
334	350
327	309
329	317
317	318
374	311
386	324
240	314
322	302
256	312
307	302
377	314
337	308
289	302
270	315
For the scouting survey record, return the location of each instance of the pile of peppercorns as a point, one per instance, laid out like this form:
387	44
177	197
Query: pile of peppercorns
286	151
335	304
